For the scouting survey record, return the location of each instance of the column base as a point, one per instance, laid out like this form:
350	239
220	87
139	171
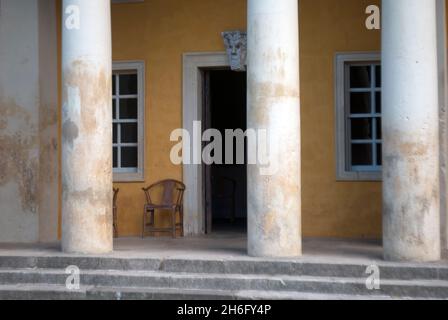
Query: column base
417	258
258	249
445	254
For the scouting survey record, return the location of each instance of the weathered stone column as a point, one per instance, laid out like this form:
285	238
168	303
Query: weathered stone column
443	99
86	127
411	218
274	196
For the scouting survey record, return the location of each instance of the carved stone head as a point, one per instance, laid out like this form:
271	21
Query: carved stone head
236	45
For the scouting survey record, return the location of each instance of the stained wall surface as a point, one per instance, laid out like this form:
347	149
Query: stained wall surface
160	31
28	121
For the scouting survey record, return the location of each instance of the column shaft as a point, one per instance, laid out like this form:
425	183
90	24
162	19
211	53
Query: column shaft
86	127
411	219
274	197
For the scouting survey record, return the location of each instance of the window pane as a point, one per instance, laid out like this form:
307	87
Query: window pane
360	102
128	109
361	129
129	157
362	155
378	102
379	154
128	132
115	157
378	76
379	135
128	84
360	76
114	109
114	84
114	133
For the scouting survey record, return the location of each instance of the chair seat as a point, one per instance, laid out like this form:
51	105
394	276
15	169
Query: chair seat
157	206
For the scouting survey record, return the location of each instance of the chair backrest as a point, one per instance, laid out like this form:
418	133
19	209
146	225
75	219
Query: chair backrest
171	193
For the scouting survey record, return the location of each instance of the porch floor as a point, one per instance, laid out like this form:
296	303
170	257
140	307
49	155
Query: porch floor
218	246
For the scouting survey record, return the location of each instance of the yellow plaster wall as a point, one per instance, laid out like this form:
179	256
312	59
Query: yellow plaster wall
160	31
330	208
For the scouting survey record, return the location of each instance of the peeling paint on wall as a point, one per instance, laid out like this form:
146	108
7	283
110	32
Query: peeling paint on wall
28	122
19	104
329	208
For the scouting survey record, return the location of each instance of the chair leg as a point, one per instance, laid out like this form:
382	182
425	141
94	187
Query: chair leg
173	218
144	222
181	213
115	223
152	219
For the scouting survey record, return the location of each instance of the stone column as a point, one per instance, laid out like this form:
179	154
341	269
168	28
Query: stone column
274	196
86	127
411	193
443	76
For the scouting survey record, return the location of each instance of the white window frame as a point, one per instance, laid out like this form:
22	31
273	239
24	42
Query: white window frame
137	174
343	173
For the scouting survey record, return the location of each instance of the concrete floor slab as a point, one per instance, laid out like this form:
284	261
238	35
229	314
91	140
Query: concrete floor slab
220	246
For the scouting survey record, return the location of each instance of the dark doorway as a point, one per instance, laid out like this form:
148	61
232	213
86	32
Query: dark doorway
225	185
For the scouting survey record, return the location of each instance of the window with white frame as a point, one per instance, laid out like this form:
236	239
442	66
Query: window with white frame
358	116
128	121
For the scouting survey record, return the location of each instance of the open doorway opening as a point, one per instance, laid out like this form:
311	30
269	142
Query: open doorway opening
225	185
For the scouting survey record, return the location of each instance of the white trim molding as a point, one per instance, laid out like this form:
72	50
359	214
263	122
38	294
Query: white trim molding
139	66
340	83
194	222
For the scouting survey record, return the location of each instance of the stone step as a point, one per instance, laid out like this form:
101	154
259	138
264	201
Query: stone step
82	262
397	271
39	292
54	292
299	268
47	291
437	289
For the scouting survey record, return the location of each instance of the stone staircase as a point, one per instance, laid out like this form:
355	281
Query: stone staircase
44	277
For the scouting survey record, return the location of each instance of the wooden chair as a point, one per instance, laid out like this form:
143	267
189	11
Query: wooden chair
115	214
172	193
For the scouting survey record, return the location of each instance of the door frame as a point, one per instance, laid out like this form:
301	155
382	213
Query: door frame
193	63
